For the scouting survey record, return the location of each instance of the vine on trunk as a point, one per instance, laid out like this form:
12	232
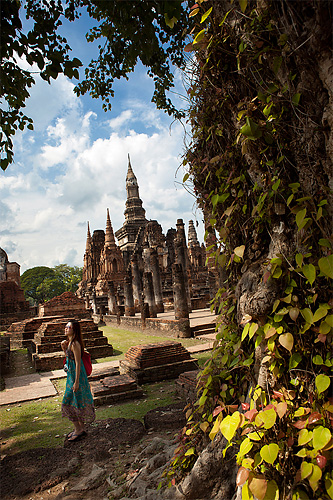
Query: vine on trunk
258	164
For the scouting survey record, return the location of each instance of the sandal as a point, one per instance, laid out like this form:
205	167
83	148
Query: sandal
76	437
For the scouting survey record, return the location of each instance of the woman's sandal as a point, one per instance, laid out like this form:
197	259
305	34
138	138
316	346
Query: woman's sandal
76	437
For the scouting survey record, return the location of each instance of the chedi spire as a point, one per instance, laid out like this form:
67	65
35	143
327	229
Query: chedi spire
109	236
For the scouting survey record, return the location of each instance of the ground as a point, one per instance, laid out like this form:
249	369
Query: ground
112	445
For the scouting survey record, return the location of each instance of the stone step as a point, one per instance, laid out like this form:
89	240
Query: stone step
118	398
205	329
157	373
114	388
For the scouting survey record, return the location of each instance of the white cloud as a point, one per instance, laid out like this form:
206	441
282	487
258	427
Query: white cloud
73	167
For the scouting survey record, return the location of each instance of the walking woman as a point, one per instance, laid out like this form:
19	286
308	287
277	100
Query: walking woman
77	403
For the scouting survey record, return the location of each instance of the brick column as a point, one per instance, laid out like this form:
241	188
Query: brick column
181	259
128	293
180	300
112	303
157	284
93	302
136	281
149	294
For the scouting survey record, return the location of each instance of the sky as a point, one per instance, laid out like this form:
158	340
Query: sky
73	166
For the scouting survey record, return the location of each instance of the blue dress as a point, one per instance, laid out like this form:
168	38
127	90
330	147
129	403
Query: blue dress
79	405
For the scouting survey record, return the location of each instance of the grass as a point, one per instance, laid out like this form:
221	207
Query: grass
122	340
39	423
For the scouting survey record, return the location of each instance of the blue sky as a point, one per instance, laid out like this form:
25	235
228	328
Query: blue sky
72	167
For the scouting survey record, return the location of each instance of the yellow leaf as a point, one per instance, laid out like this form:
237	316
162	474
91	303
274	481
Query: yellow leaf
258	487
287	341
239	251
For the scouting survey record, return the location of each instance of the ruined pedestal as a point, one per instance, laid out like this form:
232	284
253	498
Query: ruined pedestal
186	385
155	362
115	389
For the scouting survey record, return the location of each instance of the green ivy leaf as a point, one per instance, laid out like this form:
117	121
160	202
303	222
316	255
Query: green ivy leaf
309	272
269	452
317	360
307	315
304	437
326	265
322	383
306	469
251	130
321	437
295	360
243	5
230	424
206	14
296	98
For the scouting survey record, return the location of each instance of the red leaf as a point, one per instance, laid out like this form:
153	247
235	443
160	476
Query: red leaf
314	417
278	394
322	338
290	441
266	276
217	410
242	476
173	481
195	6
251	414
300	424
321	461
245	406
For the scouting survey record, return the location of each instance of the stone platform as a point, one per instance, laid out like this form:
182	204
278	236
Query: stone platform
186	385
156	362
114	389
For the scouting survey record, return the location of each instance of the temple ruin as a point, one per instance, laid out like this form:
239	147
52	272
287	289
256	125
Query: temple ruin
147	271
13	306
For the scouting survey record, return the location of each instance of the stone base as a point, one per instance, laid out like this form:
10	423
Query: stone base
156	373
186	385
115	389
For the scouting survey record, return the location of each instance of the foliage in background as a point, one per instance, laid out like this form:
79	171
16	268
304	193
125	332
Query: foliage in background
42	283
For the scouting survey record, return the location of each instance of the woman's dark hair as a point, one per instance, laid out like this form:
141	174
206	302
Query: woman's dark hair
77	334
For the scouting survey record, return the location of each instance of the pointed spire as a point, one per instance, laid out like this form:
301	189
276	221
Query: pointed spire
109	236
131	180
88	244
192	235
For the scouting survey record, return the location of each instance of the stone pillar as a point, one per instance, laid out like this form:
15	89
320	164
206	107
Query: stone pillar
128	293
112	303
93	302
149	294
136	281
180	300
181	259
157	284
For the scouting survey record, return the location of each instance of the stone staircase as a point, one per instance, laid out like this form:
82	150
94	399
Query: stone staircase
204	329
45	350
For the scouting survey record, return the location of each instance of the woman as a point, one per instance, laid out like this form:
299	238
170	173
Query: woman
77	403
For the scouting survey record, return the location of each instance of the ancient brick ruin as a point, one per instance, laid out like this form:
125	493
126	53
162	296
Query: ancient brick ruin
146	269
155	362
42	337
13	305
